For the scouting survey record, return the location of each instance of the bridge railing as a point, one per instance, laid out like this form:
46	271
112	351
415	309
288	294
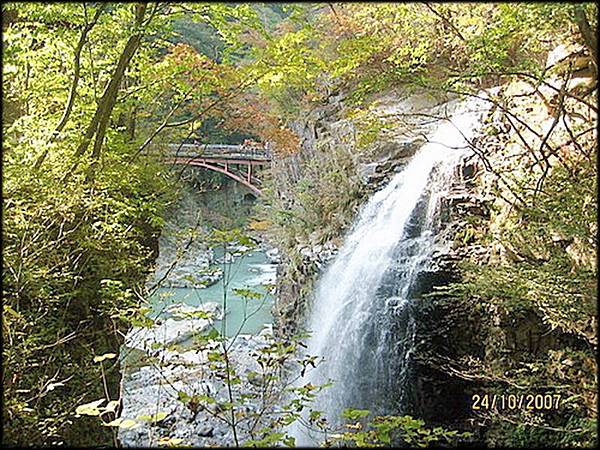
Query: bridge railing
186	150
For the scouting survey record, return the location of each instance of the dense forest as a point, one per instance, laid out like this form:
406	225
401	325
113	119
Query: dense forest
96	95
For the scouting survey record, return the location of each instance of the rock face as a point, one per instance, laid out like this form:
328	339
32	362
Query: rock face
184	260
441	327
317	255
508	335
411	116
408	117
177	329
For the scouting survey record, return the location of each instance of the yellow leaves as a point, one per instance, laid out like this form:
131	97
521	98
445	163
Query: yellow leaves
10	69
273	79
260	225
90	409
94	408
111	406
129	424
123	423
53	386
155	418
104	357
169	441
9	311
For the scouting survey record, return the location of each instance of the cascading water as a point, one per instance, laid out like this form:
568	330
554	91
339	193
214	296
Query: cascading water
361	320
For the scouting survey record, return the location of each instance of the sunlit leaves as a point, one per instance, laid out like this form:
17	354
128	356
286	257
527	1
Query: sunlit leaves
355	414
104	357
95	409
82	252
233	240
269	440
111	406
170	441
290	62
248	294
123	423
154	418
404	42
196	401
90	409
387	430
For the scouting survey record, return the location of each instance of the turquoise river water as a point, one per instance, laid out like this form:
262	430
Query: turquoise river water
246	316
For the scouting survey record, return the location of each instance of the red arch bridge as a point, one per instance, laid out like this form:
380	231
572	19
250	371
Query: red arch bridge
239	162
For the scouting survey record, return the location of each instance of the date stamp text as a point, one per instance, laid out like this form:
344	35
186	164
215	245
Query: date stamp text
531	402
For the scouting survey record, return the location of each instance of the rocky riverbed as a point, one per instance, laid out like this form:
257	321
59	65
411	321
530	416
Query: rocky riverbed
160	387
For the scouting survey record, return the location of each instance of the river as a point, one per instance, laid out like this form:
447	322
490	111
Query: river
163	360
245	316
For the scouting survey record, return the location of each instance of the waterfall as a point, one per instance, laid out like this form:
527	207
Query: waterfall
361	321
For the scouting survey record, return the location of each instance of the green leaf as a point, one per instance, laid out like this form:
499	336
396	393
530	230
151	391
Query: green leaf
170	441
248	294
215	357
161	415
122	423
289	441
355	414
204	398
113	423
183	396
129	424
111	406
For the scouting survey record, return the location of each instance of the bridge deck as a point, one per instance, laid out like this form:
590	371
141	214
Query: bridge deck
231	153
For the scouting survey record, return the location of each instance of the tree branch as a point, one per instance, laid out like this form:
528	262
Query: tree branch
447	21
589	36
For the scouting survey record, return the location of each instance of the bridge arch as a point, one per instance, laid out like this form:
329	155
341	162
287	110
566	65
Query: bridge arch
248	180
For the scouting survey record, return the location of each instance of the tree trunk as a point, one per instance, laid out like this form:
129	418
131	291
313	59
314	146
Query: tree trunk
73	90
131	124
589	36
102	115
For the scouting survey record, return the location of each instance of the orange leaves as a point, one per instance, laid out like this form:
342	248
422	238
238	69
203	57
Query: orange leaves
253	38
340	22
191	64
217	90
253	114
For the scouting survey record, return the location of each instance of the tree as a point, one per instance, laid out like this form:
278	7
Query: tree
74	75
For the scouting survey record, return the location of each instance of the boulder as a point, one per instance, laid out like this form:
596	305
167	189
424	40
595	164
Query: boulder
273	255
